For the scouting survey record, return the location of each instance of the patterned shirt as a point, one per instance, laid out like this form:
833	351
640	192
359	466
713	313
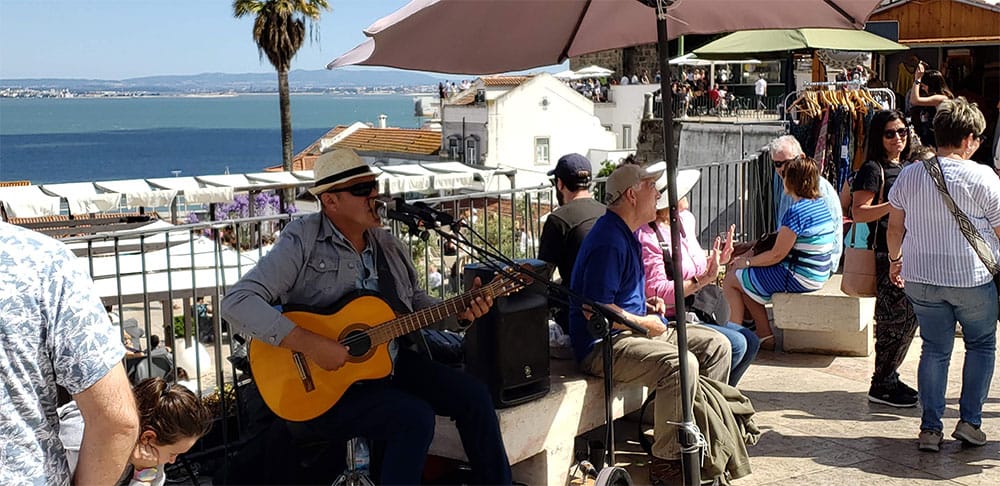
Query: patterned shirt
53	330
934	250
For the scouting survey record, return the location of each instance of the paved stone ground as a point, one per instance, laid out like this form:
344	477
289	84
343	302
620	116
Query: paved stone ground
819	428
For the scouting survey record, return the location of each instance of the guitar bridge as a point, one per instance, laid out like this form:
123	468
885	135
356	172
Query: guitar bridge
304	375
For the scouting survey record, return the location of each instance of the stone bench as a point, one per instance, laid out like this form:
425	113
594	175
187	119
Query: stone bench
826	321
539	435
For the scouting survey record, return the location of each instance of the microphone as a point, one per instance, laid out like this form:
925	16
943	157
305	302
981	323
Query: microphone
420	210
386	210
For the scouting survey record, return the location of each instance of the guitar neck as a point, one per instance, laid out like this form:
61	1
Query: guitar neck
400	326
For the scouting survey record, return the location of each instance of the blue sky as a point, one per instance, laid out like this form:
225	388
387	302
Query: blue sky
118	39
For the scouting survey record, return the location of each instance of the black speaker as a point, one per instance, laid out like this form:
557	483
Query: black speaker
508	348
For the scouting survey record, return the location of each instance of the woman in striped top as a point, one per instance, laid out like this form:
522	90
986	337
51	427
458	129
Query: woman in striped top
946	280
801	259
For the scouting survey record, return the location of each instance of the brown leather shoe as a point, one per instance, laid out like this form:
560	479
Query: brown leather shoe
663	472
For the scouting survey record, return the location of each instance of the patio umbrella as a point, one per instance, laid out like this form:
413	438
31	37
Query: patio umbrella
484	37
759	41
593	72
565	75
691	59
493	36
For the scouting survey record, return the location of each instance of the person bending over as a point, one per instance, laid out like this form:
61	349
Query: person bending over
171	420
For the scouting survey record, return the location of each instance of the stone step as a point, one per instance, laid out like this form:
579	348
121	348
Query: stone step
826	321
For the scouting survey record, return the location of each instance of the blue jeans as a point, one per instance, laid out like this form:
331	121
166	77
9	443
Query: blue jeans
745	344
400	410
937	309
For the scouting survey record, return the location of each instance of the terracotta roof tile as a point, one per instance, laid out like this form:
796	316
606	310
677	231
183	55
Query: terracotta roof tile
398	140
502	81
466	97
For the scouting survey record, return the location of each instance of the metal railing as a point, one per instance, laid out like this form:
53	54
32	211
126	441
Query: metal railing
165	270
733	107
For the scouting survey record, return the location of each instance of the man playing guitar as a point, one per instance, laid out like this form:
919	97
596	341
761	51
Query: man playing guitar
319	261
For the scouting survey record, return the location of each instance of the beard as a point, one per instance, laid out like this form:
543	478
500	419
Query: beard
560	198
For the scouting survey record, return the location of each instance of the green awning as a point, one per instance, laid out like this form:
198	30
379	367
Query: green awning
762	41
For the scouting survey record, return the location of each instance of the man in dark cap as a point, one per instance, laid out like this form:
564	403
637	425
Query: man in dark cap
566	227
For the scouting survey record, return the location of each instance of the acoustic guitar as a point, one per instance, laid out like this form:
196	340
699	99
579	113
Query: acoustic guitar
296	389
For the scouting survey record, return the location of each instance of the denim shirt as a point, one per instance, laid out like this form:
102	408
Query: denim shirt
284	276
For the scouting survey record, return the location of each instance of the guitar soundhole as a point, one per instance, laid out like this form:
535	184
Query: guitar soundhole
360	343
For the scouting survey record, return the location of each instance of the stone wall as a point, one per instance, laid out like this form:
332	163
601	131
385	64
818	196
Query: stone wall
611	59
623	61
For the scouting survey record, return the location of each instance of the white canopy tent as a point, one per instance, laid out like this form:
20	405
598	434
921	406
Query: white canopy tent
83	197
28	202
138	193
102	196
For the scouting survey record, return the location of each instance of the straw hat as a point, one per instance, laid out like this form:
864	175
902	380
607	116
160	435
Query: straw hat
686	179
337	167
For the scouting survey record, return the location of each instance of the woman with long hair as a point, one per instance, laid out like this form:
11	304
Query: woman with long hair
801	259
171	420
943	235
895	323
929	90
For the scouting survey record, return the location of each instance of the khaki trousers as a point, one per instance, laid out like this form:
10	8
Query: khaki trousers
653	362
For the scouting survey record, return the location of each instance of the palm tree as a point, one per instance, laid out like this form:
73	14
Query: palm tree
279	29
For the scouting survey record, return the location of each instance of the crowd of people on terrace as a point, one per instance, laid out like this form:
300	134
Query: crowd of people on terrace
934	225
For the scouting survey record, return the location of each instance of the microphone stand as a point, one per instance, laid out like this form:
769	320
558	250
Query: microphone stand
598	325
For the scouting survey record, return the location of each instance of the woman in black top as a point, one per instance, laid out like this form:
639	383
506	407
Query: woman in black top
895	324
935	90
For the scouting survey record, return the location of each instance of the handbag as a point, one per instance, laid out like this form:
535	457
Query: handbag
859	278
964	225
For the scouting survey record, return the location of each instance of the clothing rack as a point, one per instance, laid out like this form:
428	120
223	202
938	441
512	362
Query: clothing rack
885	96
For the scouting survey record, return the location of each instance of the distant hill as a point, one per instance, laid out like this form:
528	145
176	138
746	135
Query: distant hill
298	80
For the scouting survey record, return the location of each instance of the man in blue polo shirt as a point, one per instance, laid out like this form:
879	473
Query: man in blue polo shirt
609	270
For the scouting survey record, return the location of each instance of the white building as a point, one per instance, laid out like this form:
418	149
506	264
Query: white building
521	122
622	114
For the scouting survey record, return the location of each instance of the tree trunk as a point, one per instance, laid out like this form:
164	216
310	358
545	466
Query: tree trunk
284	101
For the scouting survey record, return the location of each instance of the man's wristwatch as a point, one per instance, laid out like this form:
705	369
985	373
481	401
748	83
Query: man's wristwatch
916	82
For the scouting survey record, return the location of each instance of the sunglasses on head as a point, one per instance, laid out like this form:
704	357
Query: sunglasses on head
900	132
361	189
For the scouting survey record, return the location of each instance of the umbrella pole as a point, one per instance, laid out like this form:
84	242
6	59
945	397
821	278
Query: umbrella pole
688	430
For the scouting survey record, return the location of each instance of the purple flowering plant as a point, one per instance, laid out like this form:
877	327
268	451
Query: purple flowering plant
264	204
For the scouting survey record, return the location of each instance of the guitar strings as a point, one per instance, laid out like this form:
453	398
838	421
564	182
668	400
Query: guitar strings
367	334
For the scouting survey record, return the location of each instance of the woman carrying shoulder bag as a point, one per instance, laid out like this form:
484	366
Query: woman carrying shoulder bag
701	295
895	322
948	207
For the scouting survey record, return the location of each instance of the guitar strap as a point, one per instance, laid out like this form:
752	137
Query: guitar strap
386	290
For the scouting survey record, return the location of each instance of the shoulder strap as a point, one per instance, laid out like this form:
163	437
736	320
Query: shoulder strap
668	264
968	230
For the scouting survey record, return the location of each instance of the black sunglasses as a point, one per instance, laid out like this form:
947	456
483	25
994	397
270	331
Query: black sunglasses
900	132
779	163
361	189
